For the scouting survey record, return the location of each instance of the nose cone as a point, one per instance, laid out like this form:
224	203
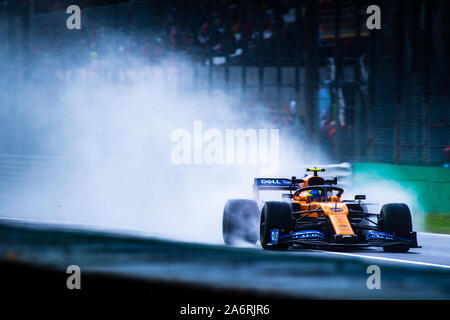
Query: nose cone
337	213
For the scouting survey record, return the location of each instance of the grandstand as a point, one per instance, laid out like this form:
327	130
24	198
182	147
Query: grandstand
364	95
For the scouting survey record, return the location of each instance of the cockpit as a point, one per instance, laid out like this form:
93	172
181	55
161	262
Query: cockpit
323	193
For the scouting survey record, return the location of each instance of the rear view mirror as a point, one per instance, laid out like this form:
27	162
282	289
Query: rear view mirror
287	196
334	181
360	197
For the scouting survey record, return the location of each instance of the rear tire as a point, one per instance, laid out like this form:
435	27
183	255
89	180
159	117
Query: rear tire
275	215
395	218
240	221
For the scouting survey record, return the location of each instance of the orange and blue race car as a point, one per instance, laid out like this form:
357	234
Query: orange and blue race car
312	215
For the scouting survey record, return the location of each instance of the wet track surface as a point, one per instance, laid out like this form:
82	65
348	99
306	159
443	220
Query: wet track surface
435	251
423	273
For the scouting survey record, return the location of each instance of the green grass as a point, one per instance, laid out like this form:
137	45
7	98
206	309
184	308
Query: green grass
437	222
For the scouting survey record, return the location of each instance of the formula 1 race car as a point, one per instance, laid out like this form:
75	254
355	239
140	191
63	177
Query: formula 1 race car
312	215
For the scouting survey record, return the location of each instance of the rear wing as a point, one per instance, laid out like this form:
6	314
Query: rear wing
273	184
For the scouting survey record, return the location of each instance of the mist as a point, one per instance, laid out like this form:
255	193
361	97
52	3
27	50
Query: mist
105	144
384	190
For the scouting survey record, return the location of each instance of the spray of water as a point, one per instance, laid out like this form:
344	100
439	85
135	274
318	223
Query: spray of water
384	190
115	130
111	138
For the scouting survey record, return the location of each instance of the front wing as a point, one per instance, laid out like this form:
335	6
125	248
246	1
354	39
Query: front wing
314	238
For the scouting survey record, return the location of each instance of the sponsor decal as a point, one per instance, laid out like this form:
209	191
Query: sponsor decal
274	235
336	209
274	182
308	234
378	235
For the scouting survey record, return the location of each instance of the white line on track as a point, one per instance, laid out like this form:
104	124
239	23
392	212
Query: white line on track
391	259
435	234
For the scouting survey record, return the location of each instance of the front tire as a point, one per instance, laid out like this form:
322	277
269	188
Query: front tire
275	215
240	221
395	218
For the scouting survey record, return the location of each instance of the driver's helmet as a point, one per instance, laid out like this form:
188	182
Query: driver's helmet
315	195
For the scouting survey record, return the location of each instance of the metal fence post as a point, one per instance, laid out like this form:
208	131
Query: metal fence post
426	102
278	53
298	56
312	65
399	83
356	86
337	150
372	130
243	24
261	53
